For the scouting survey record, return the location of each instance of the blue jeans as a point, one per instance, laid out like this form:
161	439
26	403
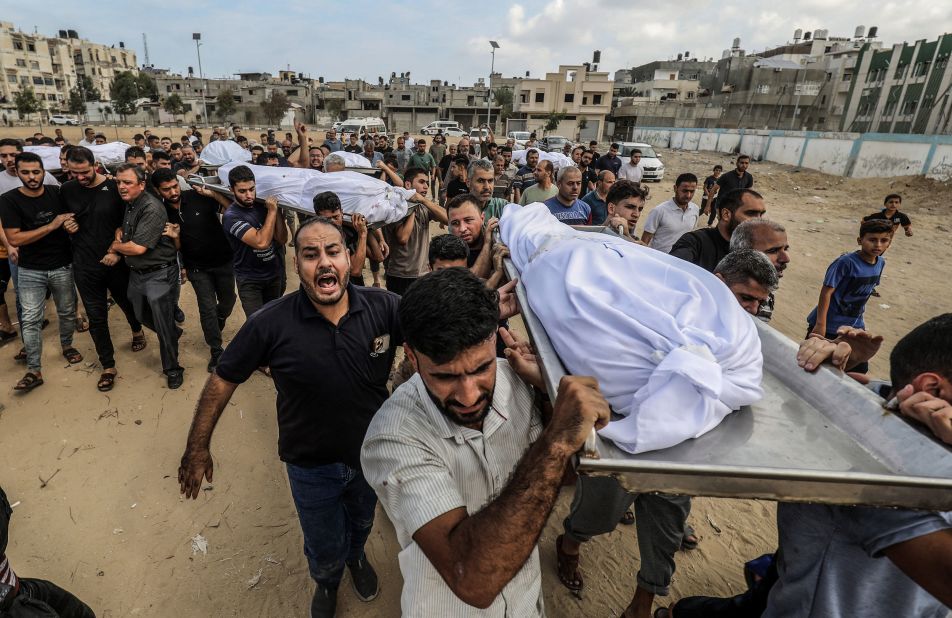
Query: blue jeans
336	508
31	290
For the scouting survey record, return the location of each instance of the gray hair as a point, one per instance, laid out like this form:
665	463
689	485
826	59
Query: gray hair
565	169
334	159
740	266
744	234
479	164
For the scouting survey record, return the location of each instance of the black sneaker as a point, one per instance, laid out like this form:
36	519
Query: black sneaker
364	579
324	603
213	361
179	315
176	378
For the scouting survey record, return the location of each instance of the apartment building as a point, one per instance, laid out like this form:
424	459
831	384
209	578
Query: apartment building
583	96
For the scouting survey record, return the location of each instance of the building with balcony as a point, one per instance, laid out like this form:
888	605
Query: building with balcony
581	98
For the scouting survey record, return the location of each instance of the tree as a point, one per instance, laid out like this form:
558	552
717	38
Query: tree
334	107
147	87
553	120
124	91
87	90
275	107
503	98
225	104
26	102
174	105
76	105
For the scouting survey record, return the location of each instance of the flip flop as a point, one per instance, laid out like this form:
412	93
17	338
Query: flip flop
106	382
568	564
628	519
687	542
28	382
72	355
20	356
138	342
82	324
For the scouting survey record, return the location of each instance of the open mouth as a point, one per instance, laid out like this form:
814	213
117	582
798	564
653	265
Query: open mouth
327	283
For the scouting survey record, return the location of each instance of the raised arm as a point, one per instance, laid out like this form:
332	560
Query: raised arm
303	148
261	238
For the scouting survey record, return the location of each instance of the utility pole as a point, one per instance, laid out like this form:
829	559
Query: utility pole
197	37
489	91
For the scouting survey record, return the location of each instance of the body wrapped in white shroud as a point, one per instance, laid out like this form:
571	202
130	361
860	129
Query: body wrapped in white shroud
376	200
673	351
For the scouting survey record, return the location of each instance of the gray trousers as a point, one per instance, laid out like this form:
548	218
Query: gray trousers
599	504
153	296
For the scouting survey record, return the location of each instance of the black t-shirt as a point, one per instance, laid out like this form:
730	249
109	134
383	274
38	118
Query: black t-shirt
99	211
455	187
897	218
730	181
30	213
358	149
704	247
202	238
445	163
709	182
330	380
589	175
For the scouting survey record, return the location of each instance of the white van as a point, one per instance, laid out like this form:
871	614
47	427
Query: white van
363	125
441	125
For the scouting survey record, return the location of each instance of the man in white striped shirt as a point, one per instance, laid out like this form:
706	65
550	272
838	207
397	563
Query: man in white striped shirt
460	460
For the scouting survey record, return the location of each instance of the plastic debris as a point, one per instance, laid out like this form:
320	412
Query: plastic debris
199	544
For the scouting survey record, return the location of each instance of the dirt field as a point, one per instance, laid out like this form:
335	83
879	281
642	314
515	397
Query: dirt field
111	527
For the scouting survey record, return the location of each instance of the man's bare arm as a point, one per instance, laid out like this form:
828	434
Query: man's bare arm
197	460
927	560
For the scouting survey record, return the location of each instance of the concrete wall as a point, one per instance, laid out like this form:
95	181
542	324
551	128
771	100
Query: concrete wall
866	155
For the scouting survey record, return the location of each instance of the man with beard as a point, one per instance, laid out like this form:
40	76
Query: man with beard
770	238
565	205
99	272
9	149
708	245
189	162
460	460
151	256
466	222
256	233
596	199
525	176
206	254
330	345
670	220
33	217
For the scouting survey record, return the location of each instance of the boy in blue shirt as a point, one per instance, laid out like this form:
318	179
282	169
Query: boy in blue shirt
849	282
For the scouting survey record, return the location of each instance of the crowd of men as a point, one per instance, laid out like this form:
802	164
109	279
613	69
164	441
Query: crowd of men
463	445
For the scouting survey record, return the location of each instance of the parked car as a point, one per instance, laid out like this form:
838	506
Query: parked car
63	119
441	125
363	125
553	143
521	137
337	125
476	135
454	132
650	160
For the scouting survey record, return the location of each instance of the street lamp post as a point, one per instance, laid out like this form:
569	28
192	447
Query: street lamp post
197	37
489	91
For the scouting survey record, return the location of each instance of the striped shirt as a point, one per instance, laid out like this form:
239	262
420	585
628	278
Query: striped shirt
7	576
423	465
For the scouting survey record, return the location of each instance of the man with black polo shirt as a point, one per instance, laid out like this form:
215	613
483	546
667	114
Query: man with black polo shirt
589	173
707	246
739	178
99	273
206	254
33	217
256	233
151	256
609	161
330	346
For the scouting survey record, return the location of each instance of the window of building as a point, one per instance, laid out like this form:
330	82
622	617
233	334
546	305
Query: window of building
909	106
51	97
524	97
691	94
584	100
900	71
292	93
570	98
921	68
890	108
34	65
17	45
763	88
540	97
113	58
21	62
38	81
12	79
597	99
48	81
672	76
404	97
251	92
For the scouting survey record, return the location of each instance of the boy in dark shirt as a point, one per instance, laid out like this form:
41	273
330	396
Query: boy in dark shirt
890	212
710	192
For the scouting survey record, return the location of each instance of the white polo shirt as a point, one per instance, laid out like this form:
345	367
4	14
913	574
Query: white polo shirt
667	222
627	171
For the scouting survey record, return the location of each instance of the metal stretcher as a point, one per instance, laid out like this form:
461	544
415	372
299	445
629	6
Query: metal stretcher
814	437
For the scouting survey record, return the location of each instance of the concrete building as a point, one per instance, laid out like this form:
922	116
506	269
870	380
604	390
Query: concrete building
583	96
100	63
682	79
905	89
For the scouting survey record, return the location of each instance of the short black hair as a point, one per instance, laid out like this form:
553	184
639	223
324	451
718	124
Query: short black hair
892	196
445	313
635	151
413	172
326	201
734	198
134	151
447	247
622	190
875	226
175	146
926	348
30	157
615	146
80	154
47	141
9	141
138	136
459	200
461	160
506	149
742	156
685	177
161	175
240	173
139	172
316	220
160	155
718	167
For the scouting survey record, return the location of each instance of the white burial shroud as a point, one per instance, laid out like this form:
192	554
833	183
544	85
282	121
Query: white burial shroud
108	154
49	154
376	200
557	159
352	159
223	151
673	351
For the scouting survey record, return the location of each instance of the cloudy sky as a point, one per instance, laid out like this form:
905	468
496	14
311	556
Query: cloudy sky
435	39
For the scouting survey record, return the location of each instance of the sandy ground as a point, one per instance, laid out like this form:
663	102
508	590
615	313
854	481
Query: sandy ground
111	527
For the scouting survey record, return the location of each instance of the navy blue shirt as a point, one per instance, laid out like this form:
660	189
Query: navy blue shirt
250	264
853	280
578	213
612	164
331	380
598	206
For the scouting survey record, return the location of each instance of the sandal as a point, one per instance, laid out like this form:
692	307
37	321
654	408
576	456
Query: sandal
628	519
662	612
82	324
20	356
569	574
106	382
138	342
690	540
28	382
72	355
6	337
